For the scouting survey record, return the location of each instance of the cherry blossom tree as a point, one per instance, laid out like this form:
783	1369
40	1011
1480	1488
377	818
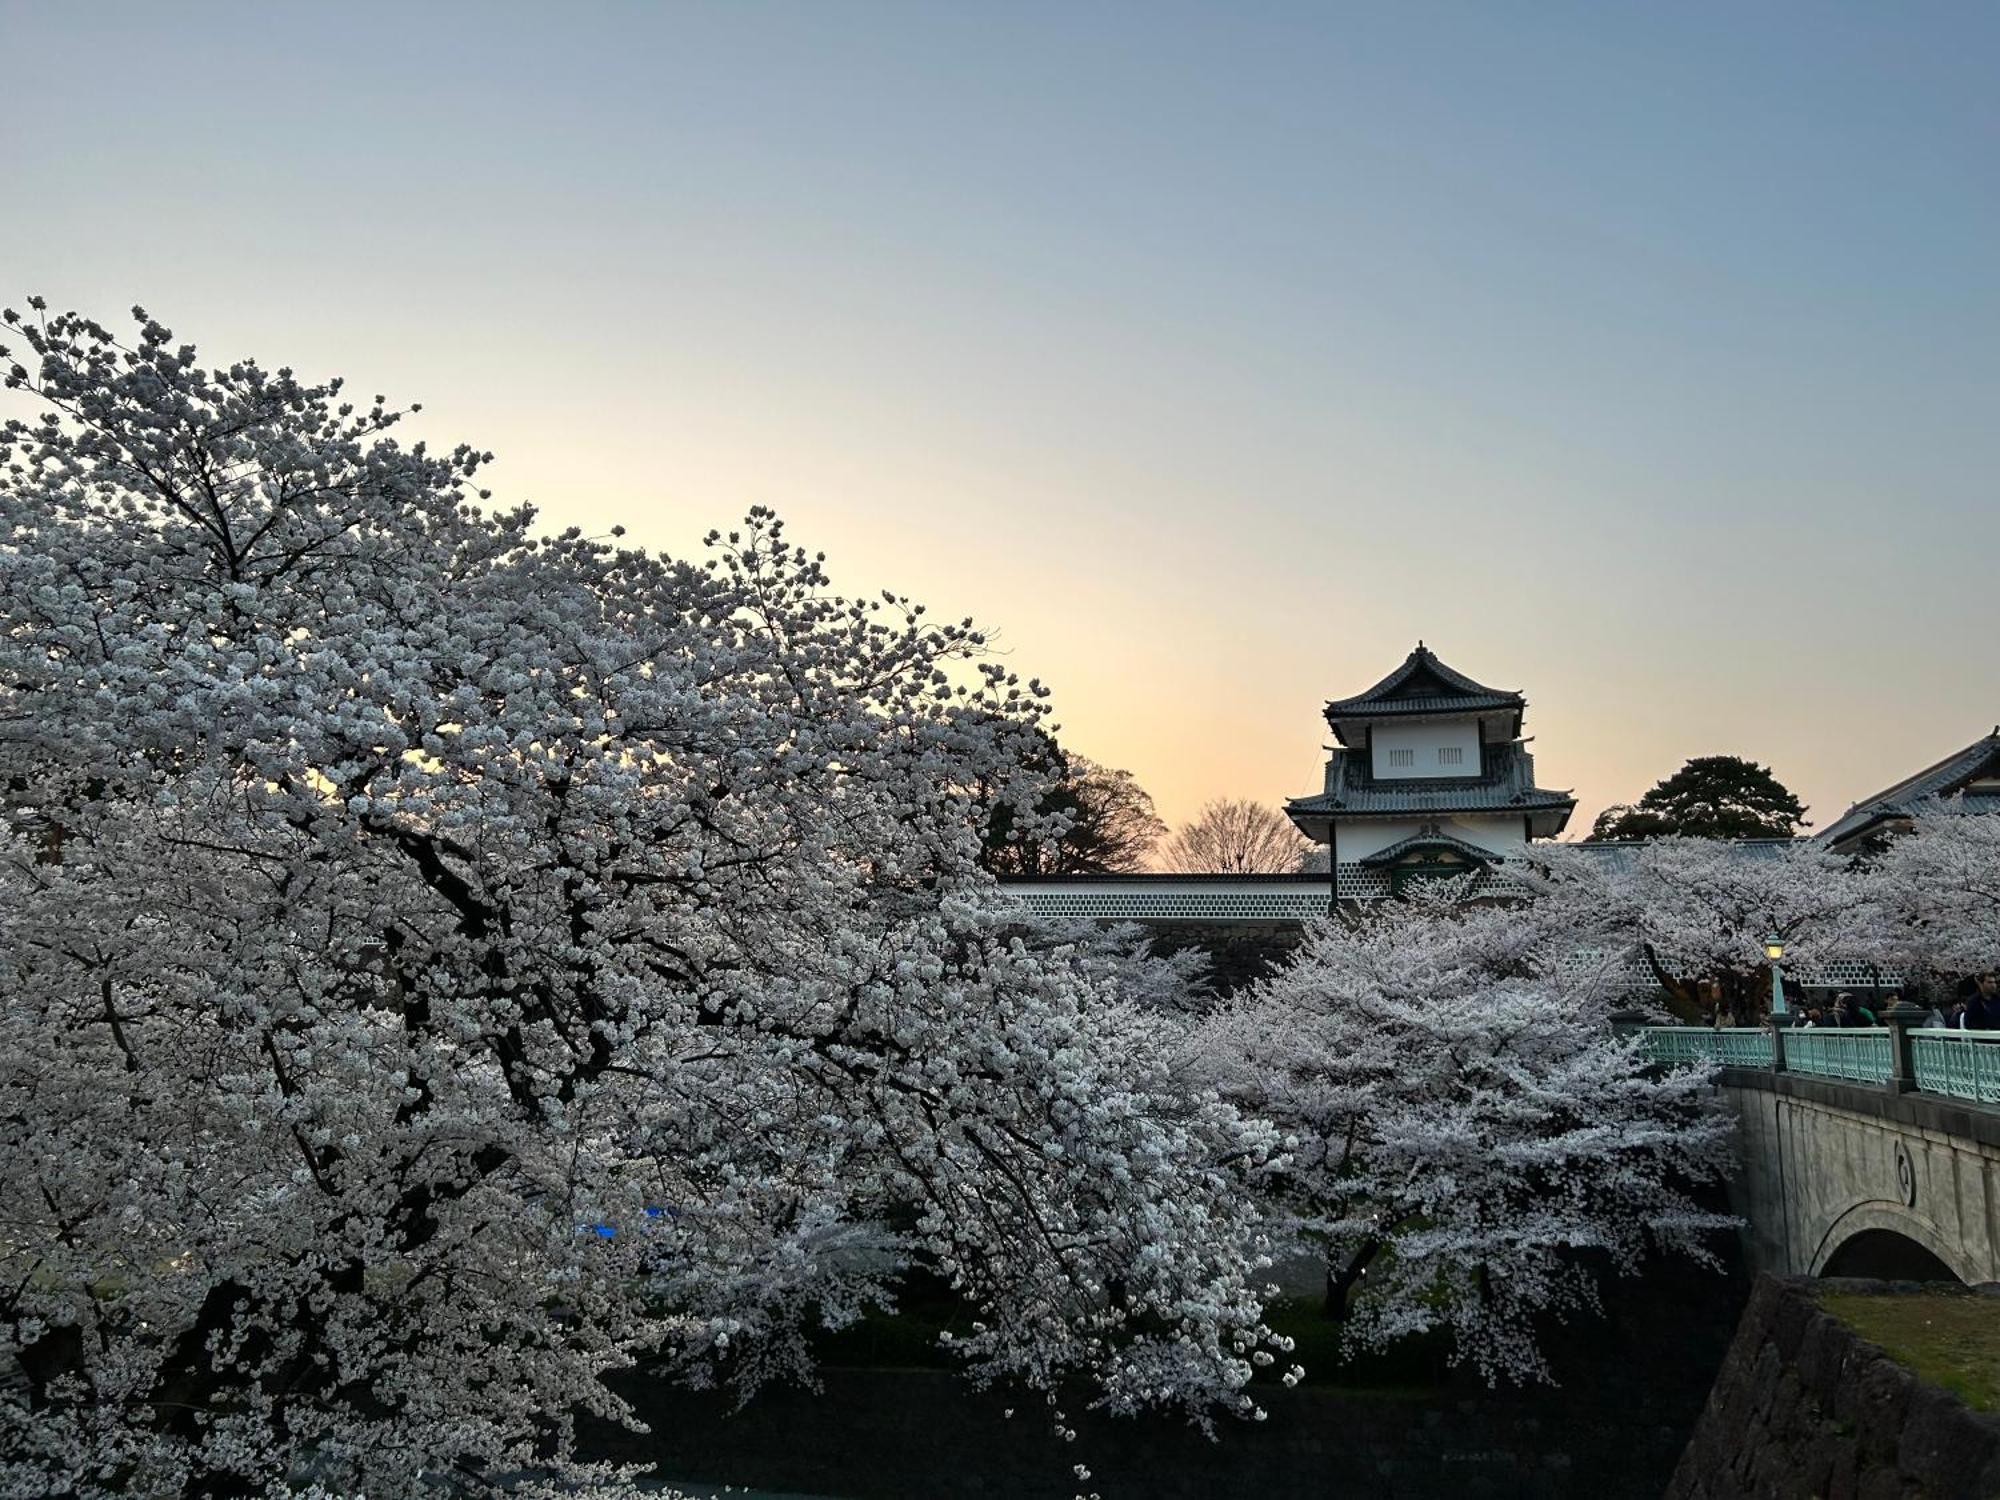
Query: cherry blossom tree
1469	1144
1696	912
1934	892
443	961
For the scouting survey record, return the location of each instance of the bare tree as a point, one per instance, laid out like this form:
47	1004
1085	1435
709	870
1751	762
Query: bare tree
1090	820
1234	836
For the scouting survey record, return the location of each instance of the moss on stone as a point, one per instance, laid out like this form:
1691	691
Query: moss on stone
1948	1339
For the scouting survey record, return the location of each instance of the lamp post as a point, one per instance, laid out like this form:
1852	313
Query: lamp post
1774	950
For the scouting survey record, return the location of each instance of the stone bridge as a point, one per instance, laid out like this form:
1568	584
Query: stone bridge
1865	1152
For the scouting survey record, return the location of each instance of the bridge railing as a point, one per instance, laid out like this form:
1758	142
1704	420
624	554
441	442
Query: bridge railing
1859	1054
1963	1064
1957	1064
1729	1046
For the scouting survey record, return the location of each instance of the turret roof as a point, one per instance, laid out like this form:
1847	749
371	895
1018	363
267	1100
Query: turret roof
1423	685
1507	784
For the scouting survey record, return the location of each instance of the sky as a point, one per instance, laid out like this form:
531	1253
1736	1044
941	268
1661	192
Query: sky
1644	358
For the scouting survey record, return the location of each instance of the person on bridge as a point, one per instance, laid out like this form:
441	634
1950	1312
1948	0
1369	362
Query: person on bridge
1848	1011
1945	1015
1982	1003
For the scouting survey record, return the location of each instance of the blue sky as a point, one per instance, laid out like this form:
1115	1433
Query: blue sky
1642	357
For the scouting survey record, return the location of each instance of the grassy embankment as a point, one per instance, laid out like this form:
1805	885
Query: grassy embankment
1950	1339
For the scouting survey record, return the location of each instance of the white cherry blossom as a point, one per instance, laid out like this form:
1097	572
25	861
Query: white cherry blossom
443	962
1469	1143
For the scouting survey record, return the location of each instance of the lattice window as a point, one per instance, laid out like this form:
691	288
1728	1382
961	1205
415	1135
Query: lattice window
1302	903
1402	757
1844	973
1451	755
1167	901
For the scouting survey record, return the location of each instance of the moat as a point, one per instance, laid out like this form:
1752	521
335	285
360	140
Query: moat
1401	1426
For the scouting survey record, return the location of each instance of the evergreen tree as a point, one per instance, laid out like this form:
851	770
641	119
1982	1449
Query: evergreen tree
1711	797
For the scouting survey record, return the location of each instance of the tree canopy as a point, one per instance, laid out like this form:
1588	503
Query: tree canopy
1089	820
444	961
1463	1120
1711	797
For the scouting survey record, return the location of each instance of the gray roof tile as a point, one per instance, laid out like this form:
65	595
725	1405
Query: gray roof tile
1900	800
1423	684
1507	785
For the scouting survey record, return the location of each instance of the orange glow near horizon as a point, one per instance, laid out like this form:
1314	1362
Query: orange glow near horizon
1642	360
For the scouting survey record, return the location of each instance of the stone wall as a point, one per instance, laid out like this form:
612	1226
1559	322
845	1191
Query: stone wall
1806	1409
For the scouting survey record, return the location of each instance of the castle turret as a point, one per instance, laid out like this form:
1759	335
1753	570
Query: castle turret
1428	777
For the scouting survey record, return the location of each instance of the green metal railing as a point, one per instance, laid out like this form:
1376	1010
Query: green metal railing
1733	1046
1859	1054
1956	1064
1963	1064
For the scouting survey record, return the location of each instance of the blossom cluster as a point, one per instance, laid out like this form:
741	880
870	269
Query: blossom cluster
1468	1140
445	961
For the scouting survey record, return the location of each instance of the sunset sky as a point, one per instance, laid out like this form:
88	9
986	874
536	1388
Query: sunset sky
1645	358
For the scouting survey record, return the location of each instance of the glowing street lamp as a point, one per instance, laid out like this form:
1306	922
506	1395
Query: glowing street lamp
1774	950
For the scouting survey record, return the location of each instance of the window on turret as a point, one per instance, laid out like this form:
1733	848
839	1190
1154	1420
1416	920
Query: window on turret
1411	752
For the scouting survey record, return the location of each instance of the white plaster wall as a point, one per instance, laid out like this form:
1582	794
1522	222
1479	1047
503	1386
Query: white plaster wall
1423	741
1503	833
1359	838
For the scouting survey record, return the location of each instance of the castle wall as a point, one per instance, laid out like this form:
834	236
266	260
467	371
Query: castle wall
1361	837
1804	1408
1432	748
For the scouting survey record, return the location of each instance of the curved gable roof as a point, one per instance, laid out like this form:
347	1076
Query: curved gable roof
1899	801
1424	685
1431	838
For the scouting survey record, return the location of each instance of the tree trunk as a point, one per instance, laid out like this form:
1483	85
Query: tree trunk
1677	989
1340	1282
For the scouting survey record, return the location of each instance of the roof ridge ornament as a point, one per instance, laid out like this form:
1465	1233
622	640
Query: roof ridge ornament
1422	685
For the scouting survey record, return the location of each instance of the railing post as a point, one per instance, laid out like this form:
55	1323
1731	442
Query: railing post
1777	1022
1902	1018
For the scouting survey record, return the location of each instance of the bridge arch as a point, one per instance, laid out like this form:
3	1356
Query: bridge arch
1833	1175
1886	1239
